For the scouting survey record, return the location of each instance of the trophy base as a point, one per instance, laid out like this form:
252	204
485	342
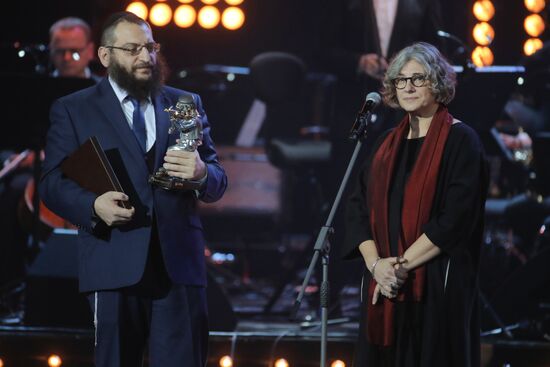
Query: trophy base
173	183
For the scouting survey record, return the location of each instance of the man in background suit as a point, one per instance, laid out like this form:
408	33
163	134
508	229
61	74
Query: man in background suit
71	48
142	268
360	38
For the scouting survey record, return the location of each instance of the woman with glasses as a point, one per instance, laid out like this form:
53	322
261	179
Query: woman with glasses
416	219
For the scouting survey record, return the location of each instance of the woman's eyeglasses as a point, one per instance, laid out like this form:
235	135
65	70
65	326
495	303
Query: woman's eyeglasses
417	80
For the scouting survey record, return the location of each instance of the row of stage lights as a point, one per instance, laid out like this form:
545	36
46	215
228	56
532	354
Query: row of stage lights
225	361
534	26
53	361
208	14
484	33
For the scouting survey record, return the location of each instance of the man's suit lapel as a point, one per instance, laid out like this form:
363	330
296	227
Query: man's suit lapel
401	15
408	20
162	125
371	29
109	105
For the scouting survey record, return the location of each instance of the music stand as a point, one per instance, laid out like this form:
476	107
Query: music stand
481	94
26	108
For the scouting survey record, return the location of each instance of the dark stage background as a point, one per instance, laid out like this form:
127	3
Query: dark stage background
286	25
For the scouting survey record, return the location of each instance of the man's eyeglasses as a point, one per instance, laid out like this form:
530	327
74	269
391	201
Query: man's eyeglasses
134	49
417	80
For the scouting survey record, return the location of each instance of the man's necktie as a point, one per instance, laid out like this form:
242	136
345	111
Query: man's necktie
138	124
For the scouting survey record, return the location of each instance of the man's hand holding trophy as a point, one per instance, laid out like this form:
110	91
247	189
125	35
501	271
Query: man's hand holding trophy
183	168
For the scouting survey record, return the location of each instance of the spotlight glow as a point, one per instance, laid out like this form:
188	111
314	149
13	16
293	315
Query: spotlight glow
281	362
234	2
226	361
186	1
1	362
138	8
338	363
160	14
484	10
233	18
209	2
209	17
531	46
535	6
534	25
185	16
483	34
482	56
54	361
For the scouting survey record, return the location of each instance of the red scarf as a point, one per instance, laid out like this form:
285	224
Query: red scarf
417	204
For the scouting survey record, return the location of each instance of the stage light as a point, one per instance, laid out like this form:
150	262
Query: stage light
209	2
484	10
185	16
209	17
160	14
138	8
338	363
483	33
234	2
534	25
535	6
531	46
54	361
1	362
482	56
232	18
186	1
281	362
226	361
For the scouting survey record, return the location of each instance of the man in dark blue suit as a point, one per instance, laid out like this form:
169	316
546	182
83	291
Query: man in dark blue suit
142	268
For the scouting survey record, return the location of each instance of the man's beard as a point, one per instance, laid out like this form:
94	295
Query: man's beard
140	89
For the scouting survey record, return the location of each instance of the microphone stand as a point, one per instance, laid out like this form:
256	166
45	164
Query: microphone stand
322	246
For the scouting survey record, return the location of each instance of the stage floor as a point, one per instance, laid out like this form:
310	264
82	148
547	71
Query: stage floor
252	344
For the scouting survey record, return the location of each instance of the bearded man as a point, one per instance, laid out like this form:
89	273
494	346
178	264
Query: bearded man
142	268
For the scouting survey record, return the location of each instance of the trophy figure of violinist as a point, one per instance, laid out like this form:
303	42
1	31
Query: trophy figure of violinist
184	119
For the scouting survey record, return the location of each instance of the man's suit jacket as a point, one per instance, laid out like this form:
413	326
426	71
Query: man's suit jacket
116	257
351	31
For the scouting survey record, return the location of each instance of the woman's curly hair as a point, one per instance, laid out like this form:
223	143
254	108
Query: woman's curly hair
439	72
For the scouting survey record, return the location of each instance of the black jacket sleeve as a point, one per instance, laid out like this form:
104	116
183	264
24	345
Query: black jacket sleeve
461	192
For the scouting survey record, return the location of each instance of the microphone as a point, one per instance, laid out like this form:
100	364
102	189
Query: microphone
447	35
462	51
371	102
360	126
